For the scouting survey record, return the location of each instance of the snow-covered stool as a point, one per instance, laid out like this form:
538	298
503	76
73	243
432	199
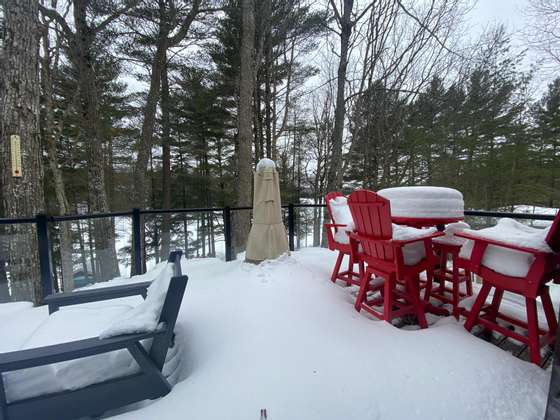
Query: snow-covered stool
338	239
512	257
95	356
447	248
424	206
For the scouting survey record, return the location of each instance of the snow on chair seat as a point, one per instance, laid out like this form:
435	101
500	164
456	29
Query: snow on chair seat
506	261
66	360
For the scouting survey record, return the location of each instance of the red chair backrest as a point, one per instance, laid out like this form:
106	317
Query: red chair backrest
331	196
553	237
372	217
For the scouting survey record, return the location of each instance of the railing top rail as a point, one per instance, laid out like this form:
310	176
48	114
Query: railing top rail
88	216
18	220
527	216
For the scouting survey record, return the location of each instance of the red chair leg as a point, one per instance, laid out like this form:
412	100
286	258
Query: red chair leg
533	330
362	293
495	305
549	311
455	287
469	282
388	298
337	266
350	270
429	285
414	295
478	303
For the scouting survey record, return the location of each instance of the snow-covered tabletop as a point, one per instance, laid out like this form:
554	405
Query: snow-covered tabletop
424	206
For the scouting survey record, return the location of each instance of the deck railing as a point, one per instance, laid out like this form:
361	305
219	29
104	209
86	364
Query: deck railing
42	224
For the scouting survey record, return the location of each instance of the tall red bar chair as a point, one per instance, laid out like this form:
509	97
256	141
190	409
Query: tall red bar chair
372	244
449	280
545	267
334	231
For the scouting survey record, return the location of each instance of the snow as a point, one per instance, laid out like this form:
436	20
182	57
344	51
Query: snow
449	238
341	216
265	163
507	261
281	336
424	202
415	252
145	316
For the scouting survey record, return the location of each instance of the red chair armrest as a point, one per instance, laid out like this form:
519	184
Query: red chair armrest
488	241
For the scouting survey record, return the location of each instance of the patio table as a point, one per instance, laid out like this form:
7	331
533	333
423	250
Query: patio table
425	206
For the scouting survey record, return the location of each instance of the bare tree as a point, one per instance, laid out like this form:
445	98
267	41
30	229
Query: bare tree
21	192
543	33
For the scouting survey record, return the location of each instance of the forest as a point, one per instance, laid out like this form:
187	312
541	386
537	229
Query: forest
127	104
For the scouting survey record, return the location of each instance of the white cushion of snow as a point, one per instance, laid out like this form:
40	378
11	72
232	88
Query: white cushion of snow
507	261
69	324
133	315
415	252
265	164
424	202
341	216
144	317
450	230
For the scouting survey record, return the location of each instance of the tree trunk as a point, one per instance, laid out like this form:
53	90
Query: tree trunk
166	164
334	178
19	116
104	235
145	144
241	219
50	136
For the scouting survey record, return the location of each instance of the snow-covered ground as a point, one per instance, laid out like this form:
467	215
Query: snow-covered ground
281	336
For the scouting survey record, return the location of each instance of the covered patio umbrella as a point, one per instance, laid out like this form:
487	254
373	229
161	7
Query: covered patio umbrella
267	239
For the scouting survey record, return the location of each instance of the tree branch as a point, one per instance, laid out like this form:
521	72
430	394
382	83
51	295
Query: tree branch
115	15
55	16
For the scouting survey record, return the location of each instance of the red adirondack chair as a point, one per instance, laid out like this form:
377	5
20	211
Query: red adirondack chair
373	244
349	276
546	267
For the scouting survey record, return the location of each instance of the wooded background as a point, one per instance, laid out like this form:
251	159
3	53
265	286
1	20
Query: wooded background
170	104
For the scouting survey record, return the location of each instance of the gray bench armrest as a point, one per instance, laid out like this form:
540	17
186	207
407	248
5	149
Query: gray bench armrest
39	356
94	295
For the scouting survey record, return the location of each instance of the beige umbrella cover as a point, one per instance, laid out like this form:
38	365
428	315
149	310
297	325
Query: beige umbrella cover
267	239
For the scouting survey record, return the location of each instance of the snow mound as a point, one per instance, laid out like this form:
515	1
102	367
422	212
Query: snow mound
145	316
415	252
341	216
424	202
508	261
265	164
449	238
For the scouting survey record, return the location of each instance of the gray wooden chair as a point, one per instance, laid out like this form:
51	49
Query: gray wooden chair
148	383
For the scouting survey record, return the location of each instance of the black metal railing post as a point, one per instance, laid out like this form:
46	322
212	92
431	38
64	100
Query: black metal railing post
291	226
137	240
44	254
227	233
